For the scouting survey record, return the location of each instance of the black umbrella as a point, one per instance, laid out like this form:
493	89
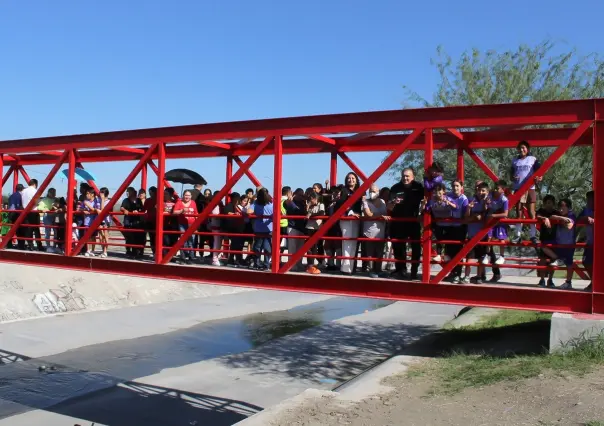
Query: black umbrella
185	176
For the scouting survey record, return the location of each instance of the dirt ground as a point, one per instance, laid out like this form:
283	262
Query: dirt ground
546	400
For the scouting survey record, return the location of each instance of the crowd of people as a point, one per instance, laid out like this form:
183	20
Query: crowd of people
374	230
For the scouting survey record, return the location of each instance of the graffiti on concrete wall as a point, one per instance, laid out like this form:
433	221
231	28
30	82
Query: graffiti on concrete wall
57	300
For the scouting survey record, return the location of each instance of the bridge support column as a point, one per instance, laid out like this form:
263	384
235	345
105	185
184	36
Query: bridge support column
569	329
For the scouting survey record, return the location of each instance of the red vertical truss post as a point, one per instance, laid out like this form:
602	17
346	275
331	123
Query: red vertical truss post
389	161
159	218
353	166
598	186
33	202
460	165
24	174
255	181
333	169
7	176
515	198
71	200
427	219
277	178
229	174
155	170
116	196
215	200
2	186
15	178
144	178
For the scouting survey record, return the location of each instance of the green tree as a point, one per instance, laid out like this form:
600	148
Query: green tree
529	73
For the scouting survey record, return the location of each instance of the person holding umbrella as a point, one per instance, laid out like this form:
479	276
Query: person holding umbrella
186	209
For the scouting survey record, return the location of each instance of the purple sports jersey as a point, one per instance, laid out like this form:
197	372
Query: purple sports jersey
523	169
565	235
589	229
458	212
439	209
497	205
478	208
429	183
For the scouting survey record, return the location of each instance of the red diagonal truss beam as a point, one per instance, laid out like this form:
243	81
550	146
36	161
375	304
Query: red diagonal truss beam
128	149
8	174
322	138
215	144
389	161
215	200
116	196
255	181
157	172
514	199
34	201
353	166
24	174
481	164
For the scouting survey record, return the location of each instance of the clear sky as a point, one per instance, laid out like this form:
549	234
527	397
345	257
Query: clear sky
72	66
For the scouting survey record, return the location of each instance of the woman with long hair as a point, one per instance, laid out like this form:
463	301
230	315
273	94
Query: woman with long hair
350	224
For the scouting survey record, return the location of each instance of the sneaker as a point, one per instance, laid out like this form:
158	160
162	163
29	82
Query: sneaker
373	275
216	263
413	276
499	260
568	285
557	262
447	259
550	283
465	280
449	278
50	250
534	240
541	283
457	280
188	262
495	279
485	259
476	280
313	270
588	288
437	258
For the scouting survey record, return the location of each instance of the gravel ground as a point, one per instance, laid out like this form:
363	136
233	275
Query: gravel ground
546	400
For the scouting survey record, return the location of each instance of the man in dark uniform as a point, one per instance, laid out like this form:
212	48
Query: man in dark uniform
405	202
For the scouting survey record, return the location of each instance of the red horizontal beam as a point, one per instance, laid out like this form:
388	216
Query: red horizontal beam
496	296
449	117
473	140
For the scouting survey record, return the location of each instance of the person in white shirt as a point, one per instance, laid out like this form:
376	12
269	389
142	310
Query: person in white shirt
33	218
374	227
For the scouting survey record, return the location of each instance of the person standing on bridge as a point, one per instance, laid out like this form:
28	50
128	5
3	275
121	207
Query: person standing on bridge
32	232
406	199
523	168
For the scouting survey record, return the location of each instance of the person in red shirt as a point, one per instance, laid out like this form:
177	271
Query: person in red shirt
150	209
186	209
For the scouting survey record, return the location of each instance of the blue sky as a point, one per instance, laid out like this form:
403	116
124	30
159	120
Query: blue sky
81	67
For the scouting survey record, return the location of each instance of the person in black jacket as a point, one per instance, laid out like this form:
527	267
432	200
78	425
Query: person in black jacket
406	198
295	205
350	227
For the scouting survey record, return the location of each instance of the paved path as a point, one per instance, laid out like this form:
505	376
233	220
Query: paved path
208	361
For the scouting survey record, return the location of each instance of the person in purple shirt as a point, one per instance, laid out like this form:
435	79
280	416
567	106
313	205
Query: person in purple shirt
439	206
456	230
497	208
587	217
433	177
566	236
475	215
523	168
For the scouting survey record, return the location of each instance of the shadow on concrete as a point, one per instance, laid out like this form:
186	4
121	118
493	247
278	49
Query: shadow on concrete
531	338
132	403
331	353
99	398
